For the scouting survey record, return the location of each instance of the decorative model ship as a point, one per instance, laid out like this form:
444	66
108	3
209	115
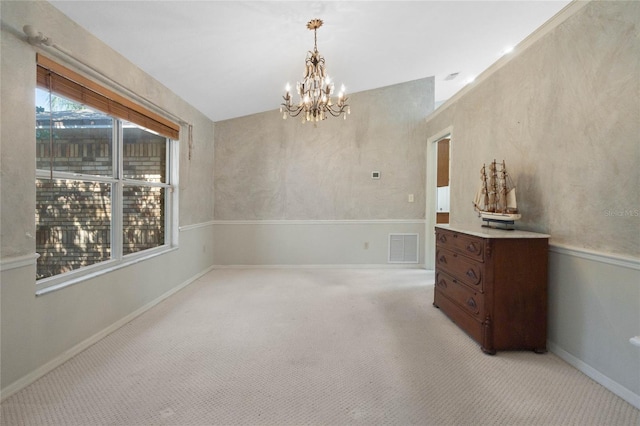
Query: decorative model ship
495	200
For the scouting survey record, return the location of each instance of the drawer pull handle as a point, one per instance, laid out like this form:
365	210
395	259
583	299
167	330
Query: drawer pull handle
472	274
472	303
442	238
442	283
472	248
442	259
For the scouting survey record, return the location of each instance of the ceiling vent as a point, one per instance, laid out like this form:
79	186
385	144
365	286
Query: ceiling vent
403	248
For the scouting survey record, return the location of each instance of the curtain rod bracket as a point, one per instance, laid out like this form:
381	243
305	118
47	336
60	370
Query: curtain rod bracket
35	37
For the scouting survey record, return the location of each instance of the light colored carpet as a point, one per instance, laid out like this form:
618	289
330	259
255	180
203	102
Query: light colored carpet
306	347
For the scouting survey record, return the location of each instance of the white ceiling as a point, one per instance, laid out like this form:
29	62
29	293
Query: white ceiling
233	58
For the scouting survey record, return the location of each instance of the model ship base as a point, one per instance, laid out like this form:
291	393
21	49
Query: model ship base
504	221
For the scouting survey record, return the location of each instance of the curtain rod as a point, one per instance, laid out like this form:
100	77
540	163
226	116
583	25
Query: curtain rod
38	39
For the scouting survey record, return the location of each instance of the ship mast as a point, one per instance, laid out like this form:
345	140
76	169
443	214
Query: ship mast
502	200
485	199
493	186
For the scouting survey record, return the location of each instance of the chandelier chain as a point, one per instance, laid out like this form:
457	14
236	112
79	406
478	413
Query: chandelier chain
315	39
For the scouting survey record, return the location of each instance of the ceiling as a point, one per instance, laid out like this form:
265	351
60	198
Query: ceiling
234	58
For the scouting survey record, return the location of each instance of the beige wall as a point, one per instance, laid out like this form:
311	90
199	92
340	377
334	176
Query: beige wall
268	168
564	114
37	332
288	193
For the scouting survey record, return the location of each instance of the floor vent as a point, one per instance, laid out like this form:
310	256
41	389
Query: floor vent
403	248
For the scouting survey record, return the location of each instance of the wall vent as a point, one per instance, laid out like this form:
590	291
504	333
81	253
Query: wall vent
403	248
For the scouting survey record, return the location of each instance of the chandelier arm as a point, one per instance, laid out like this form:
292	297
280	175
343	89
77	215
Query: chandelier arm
293	112
336	113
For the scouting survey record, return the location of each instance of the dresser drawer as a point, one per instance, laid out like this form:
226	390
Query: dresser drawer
469	300
460	267
464	244
467	322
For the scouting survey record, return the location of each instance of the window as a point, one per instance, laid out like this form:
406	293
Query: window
104	183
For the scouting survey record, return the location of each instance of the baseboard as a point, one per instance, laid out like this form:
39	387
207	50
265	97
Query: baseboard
70	353
337	266
605	381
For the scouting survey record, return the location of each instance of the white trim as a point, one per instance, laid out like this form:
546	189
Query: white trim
47	174
196	226
560	17
320	222
327	266
608	258
58	282
117	192
605	381
174	200
18	261
431	192
70	353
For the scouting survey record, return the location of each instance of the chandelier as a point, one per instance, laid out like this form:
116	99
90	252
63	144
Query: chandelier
316	88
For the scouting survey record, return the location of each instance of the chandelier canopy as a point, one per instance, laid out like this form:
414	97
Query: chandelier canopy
316	88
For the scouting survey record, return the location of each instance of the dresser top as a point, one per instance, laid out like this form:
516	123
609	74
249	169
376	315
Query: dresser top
483	232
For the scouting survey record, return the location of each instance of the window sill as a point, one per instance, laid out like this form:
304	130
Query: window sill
49	285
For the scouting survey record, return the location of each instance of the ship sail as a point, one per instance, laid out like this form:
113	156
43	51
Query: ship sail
512	204
481	200
495	200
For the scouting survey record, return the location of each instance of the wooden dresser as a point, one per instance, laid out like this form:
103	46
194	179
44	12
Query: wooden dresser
493	284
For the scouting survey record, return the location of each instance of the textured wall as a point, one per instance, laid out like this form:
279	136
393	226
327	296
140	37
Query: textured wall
17	135
39	330
270	168
564	115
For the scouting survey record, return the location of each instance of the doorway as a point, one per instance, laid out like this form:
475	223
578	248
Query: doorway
437	184
442	181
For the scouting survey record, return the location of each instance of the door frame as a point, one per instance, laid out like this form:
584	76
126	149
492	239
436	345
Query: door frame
431	193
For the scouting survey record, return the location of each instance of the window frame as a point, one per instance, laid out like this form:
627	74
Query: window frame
117	181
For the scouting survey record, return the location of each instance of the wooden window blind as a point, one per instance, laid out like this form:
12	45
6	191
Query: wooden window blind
68	83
